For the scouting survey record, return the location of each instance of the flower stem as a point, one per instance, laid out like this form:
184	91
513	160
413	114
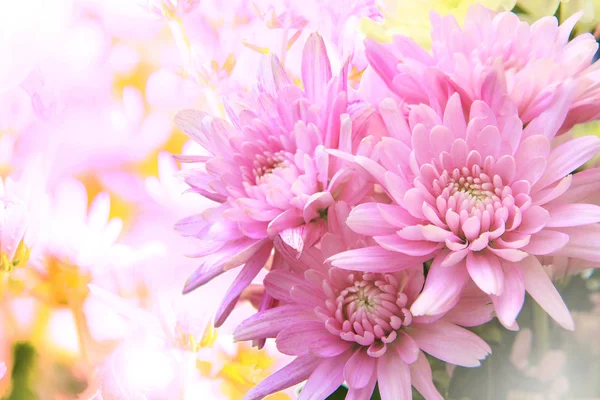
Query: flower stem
541	343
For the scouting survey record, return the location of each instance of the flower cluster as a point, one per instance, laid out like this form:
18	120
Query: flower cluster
391	219
227	199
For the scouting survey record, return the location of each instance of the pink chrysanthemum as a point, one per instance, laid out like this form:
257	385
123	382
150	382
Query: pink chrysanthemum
270	171
482	197
531	61
355	327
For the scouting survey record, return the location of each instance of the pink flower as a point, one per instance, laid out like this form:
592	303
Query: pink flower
531	62
270	172
357	327
2	370
482	197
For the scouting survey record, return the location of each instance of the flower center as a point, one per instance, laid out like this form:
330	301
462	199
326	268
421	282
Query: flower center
369	310
267	163
469	201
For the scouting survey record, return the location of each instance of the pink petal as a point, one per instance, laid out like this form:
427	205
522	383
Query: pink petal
486	271
584	243
534	220
394	242
316	203
279	283
450	343
269	323
362	393
304	236
567	157
366	219
374	259
316	69
326	378
288	219
540	287
513	255
359	369
422	378
290	375
407	348
442	288
231	255
292	341
509	303
471	310
393	377
564	215
328	346
242	280
546	242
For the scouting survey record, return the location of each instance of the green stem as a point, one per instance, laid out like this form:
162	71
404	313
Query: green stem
541	330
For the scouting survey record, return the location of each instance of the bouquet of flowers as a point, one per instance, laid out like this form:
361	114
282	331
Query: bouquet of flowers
316	200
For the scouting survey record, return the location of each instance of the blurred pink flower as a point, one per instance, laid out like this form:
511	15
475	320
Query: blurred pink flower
2	370
529	61
270	170
355	327
482	197
549	369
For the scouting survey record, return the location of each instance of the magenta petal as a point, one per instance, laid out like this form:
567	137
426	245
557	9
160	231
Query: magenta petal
450	343
393	377
364	393
422	378
242	280
509	303
486	271
269	323
546	242
541	288
290	375
359	369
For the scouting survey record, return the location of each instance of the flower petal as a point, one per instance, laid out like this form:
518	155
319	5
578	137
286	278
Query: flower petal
541	288
290	375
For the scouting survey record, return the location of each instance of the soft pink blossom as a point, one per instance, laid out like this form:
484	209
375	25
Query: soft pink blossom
269	170
2	370
528	61
357	327
481	197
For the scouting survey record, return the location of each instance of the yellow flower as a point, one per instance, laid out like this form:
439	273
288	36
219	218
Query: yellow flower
533	10
411	18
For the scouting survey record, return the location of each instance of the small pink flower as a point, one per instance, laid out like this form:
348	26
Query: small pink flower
269	171
2	370
355	327
530	60
482	197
